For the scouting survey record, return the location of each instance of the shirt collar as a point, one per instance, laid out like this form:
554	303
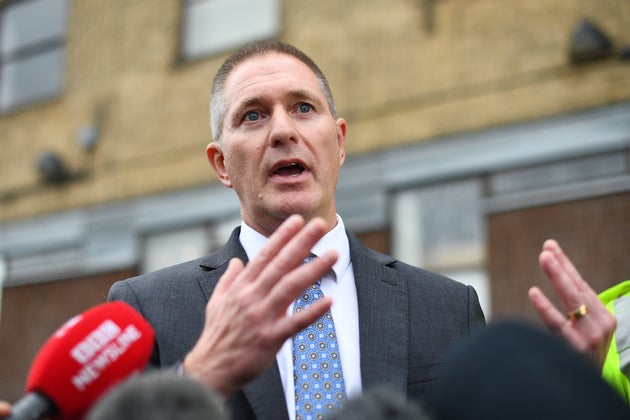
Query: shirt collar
336	239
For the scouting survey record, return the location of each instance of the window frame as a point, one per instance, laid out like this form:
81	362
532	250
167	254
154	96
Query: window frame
53	46
194	50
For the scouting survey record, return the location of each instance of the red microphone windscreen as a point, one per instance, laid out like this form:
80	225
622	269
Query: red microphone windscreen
88	355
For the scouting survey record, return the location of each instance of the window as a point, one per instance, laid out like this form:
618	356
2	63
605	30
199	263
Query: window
172	247
441	228
32	37
213	26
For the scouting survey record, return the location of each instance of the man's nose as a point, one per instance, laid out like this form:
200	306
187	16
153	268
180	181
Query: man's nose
282	128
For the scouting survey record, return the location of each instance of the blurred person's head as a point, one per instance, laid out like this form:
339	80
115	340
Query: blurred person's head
519	371
379	404
159	396
278	142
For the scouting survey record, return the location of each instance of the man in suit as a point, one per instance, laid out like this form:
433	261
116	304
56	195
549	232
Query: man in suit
227	319
279	144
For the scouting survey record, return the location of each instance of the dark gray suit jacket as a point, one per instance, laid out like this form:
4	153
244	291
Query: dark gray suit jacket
408	319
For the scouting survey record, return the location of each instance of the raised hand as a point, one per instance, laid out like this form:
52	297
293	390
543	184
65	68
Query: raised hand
246	317
583	321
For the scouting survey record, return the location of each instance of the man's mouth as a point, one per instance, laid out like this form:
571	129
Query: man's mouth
290	169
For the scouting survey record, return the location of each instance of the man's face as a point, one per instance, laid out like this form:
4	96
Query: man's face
281	148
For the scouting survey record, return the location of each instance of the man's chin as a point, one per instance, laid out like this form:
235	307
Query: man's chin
285	212
289	207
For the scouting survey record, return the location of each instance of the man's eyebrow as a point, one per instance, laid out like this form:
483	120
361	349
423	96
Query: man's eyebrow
248	102
304	94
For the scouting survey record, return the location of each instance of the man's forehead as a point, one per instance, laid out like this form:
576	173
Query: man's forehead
268	64
276	69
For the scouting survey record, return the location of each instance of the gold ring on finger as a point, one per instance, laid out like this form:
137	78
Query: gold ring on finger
577	313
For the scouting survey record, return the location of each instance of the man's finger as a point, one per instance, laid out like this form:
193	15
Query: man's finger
289	288
291	325
561	281
279	239
565	263
550	315
235	266
291	255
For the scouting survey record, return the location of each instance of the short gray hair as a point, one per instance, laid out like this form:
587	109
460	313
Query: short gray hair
257	49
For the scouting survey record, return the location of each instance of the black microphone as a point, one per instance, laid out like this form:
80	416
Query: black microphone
33	406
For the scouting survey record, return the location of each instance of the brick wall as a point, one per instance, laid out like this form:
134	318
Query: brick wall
30	314
595	234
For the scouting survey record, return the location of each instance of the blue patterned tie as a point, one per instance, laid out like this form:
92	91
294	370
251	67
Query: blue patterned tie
317	374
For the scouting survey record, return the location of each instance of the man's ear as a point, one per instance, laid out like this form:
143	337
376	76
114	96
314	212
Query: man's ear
217	161
341	139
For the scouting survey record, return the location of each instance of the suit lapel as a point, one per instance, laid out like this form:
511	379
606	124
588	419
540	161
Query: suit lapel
215	264
383	319
265	393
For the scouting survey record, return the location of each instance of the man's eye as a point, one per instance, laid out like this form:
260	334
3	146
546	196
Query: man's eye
304	108
252	116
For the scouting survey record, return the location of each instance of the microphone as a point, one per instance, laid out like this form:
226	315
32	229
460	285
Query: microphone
82	360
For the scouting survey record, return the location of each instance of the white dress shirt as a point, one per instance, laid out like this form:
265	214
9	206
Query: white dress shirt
339	285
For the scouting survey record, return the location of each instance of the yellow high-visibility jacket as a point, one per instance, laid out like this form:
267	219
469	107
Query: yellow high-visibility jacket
616	368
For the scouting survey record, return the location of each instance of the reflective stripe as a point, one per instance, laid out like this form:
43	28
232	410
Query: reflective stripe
622	333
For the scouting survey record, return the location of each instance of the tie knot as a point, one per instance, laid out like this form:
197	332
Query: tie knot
330	273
